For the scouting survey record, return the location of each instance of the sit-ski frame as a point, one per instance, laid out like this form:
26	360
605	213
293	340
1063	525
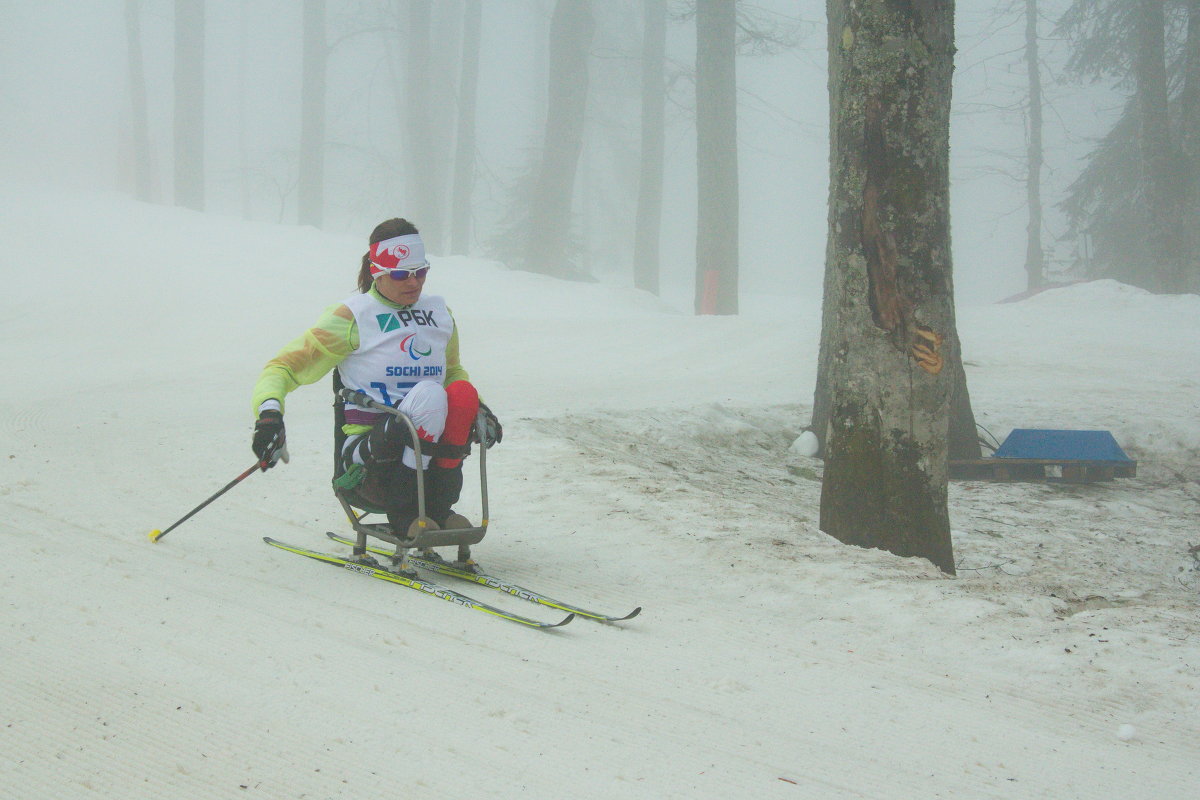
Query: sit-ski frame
428	533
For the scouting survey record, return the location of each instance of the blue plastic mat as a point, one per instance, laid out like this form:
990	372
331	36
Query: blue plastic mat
1061	445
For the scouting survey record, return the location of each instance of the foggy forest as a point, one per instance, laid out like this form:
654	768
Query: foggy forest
338	114
724	271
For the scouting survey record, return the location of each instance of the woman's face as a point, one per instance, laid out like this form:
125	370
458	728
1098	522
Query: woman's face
402	292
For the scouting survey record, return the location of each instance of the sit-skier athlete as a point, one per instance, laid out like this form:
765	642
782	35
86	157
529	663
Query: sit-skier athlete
399	347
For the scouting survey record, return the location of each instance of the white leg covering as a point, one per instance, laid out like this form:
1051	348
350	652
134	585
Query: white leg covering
425	405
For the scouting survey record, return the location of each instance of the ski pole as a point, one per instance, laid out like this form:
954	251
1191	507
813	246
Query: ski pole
155	535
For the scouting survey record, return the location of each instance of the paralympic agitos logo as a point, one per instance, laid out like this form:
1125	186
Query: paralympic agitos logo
409	345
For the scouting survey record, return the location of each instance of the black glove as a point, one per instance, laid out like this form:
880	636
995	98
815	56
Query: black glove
493	431
270	443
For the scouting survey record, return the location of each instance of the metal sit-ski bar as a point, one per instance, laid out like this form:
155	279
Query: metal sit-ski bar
425	536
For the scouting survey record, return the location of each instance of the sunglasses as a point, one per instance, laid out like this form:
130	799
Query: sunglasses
405	274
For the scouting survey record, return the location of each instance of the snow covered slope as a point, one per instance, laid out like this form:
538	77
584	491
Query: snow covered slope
645	462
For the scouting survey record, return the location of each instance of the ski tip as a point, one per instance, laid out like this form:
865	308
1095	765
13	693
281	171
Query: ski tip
155	535
628	616
565	620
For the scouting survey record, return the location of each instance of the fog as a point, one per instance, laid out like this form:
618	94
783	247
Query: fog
67	121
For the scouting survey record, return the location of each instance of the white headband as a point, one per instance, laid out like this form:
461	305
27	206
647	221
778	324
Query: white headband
399	252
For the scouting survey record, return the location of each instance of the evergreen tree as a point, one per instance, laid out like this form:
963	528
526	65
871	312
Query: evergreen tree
1136	197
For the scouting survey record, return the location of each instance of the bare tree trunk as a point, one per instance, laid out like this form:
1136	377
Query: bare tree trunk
1035	258
648	229
571	30
1159	157
423	197
243	146
189	104
889	328
142	160
964	433
311	188
716	158
464	142
1190	145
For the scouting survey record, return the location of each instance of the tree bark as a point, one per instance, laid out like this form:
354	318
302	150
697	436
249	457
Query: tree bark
648	229
189	104
547	248
311	186
464	141
716	158
888	332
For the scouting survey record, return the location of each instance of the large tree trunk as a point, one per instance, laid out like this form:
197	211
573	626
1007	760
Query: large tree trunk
648	230
964	433
464	142
716	158
888	330
311	188
571	30
1035	258
189	104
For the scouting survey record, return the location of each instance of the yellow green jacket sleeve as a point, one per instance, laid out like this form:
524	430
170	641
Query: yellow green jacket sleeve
307	358
312	355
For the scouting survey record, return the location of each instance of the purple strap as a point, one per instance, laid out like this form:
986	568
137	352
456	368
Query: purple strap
360	416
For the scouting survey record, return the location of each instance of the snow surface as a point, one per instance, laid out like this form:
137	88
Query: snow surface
647	461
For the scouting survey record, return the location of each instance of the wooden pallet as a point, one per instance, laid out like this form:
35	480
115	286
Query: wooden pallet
1041	469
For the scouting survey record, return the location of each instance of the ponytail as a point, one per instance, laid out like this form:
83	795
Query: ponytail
364	274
